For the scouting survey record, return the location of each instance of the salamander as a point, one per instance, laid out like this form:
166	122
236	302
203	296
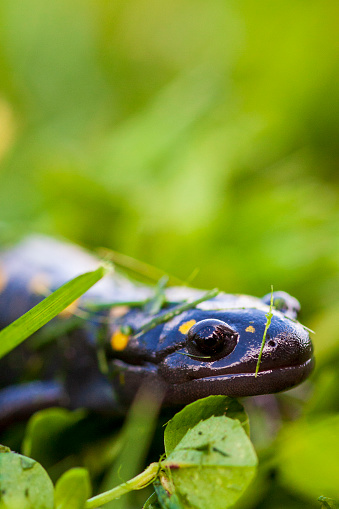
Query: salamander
192	345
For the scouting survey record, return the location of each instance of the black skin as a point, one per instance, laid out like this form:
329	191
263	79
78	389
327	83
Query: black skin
211	348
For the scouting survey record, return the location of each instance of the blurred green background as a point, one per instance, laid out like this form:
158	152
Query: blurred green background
185	133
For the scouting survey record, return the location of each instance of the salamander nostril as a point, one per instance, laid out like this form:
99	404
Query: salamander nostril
212	337
272	343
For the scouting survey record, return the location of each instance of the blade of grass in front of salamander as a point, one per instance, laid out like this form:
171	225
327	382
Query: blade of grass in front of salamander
12	335
268	323
303	326
158	300
175	311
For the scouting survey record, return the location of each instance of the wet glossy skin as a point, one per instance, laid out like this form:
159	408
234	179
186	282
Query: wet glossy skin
187	356
190	373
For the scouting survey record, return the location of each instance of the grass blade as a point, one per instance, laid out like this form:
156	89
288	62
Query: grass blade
39	315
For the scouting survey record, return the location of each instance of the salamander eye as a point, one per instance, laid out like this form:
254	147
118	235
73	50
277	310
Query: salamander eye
212	337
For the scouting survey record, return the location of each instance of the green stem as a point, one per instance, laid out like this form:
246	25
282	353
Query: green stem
137	483
92	306
303	326
268	323
177	310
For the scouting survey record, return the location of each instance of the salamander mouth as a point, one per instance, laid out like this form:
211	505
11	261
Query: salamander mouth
241	384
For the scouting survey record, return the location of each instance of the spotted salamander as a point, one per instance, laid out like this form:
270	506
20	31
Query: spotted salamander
100	357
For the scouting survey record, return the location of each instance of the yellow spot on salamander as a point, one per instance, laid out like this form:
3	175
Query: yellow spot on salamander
3	279
70	310
119	340
185	327
40	284
250	328
118	311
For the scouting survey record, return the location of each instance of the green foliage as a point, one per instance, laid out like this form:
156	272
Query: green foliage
309	463
172	137
43	433
211	450
24	483
328	503
213	464
204	450
162	500
133	442
72	489
198	411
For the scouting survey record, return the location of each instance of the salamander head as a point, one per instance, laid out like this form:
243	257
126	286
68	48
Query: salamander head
214	348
